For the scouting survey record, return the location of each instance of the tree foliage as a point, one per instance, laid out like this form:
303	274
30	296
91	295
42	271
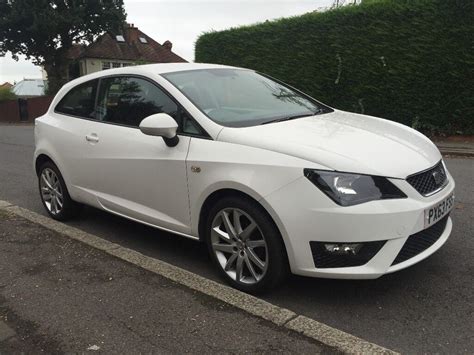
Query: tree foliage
6	94
409	61
45	30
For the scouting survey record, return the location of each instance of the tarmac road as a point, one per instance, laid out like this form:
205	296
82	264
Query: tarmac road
427	308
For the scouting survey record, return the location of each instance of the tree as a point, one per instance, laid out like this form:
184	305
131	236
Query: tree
6	94
45	30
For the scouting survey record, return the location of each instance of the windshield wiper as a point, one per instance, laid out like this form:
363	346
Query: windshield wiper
288	118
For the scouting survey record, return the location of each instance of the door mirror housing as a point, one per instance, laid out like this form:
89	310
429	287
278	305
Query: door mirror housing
161	125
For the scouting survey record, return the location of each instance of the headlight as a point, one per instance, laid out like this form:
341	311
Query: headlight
348	189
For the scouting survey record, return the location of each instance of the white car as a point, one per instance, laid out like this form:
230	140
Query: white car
269	178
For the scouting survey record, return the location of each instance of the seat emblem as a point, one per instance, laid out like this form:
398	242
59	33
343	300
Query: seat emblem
437	177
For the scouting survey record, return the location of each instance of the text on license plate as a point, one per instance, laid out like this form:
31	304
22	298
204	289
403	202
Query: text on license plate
438	211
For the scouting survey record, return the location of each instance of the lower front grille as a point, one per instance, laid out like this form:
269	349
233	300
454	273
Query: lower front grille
419	242
323	259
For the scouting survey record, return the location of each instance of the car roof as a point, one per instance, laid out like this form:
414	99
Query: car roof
174	67
147	69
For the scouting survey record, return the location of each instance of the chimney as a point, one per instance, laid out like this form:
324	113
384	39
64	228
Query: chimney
168	45
132	32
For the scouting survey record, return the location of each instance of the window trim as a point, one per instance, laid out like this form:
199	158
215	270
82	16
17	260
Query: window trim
181	108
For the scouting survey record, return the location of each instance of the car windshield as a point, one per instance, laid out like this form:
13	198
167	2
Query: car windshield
242	98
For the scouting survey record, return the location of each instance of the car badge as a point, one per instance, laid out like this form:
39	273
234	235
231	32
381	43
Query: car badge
437	177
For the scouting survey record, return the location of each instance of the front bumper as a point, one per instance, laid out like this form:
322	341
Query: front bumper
304	214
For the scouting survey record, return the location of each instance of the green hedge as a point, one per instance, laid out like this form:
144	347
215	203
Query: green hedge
408	61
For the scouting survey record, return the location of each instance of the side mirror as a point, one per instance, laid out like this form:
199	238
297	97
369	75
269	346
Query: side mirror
161	125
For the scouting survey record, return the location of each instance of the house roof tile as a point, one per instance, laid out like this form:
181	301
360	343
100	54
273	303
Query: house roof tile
107	47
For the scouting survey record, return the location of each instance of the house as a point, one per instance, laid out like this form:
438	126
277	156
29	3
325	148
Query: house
131	47
29	88
6	85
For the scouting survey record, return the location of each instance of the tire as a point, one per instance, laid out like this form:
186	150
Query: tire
253	239
49	176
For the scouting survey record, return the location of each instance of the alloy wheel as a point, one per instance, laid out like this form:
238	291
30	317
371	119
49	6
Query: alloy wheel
239	245
51	191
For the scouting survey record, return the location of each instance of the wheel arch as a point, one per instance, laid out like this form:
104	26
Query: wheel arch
43	157
225	192
40	160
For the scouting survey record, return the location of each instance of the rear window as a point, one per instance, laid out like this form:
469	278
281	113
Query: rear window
79	101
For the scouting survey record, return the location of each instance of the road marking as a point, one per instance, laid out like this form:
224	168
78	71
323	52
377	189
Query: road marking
283	317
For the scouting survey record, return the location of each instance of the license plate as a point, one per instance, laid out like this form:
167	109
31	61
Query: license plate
438	211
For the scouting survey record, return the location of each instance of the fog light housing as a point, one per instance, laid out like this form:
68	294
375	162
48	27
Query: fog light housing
332	255
342	248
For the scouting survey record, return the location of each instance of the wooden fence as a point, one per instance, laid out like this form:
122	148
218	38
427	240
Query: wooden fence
24	110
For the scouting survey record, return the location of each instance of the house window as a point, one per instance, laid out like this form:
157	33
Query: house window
105	65
120	38
143	40
116	65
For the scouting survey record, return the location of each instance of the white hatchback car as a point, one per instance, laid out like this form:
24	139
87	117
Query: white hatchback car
271	179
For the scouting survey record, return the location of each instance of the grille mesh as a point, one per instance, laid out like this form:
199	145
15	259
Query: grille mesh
430	180
419	242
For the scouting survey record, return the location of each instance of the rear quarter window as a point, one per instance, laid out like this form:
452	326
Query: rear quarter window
79	101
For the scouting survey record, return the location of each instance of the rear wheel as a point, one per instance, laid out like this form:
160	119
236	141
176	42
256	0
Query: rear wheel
54	193
245	245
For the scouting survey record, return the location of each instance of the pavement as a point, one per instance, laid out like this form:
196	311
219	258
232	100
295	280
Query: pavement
456	146
61	296
427	308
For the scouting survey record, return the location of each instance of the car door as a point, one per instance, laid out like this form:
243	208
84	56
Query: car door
73	120
130	173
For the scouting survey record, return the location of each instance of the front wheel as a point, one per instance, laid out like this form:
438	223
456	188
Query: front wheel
245	245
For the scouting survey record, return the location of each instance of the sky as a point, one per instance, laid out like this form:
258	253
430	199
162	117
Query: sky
182	21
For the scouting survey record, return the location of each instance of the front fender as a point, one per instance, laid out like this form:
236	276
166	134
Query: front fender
213	165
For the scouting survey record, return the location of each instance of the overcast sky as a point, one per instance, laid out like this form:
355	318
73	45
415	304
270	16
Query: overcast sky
182	21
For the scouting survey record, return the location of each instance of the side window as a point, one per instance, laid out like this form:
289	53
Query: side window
189	126
128	100
79	101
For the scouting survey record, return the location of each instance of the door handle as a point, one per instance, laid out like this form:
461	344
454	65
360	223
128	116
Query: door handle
92	138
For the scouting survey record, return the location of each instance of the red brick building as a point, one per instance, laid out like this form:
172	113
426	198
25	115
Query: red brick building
131	47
